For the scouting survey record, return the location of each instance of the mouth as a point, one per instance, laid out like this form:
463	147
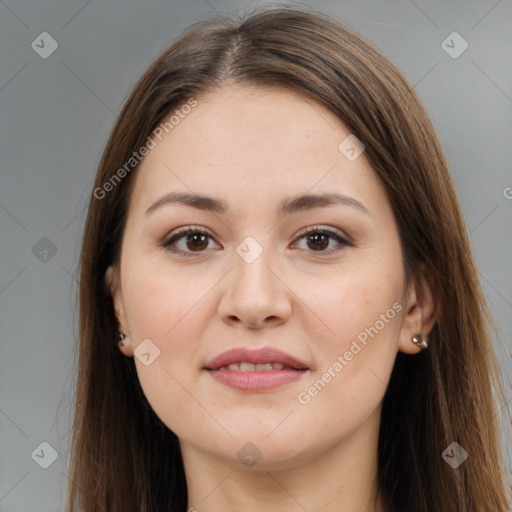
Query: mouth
259	367
255	370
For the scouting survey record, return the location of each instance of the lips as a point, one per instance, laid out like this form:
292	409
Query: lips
257	370
244	358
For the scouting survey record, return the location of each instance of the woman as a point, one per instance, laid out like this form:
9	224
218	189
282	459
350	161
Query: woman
279	306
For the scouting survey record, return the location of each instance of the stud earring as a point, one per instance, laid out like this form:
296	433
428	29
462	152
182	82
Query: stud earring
120	337
420	340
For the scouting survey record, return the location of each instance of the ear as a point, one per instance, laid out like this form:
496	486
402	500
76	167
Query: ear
420	311
112	284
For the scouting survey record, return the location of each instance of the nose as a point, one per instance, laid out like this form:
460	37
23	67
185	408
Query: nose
255	293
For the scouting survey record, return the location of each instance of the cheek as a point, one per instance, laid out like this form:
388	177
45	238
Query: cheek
160	300
362	307
168	309
352	303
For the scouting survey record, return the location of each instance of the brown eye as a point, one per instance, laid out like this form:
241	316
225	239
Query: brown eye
319	239
196	241
193	241
188	241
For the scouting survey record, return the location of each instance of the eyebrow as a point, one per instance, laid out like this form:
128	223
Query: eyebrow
290	205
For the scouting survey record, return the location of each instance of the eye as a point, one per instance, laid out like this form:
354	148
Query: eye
318	239
195	241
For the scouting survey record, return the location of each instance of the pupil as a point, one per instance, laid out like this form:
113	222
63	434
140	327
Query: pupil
316	240
198	237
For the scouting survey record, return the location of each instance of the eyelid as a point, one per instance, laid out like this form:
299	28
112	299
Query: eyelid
319	228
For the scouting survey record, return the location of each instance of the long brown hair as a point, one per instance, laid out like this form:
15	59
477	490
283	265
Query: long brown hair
123	458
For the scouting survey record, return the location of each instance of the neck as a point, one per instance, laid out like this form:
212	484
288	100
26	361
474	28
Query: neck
343	478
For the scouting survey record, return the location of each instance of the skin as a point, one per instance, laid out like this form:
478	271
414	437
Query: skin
253	147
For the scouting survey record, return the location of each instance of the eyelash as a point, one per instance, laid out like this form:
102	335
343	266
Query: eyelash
306	232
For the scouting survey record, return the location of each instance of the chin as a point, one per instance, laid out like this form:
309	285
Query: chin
258	451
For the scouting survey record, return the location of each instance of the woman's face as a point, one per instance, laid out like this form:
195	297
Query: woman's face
252	278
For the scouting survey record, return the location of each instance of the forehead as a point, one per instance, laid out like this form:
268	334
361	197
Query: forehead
258	143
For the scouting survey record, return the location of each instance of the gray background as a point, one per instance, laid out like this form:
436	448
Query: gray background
56	114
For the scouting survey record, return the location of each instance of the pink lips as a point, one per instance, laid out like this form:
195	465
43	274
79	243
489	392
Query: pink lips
289	369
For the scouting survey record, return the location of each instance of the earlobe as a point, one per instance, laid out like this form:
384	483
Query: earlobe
420	314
